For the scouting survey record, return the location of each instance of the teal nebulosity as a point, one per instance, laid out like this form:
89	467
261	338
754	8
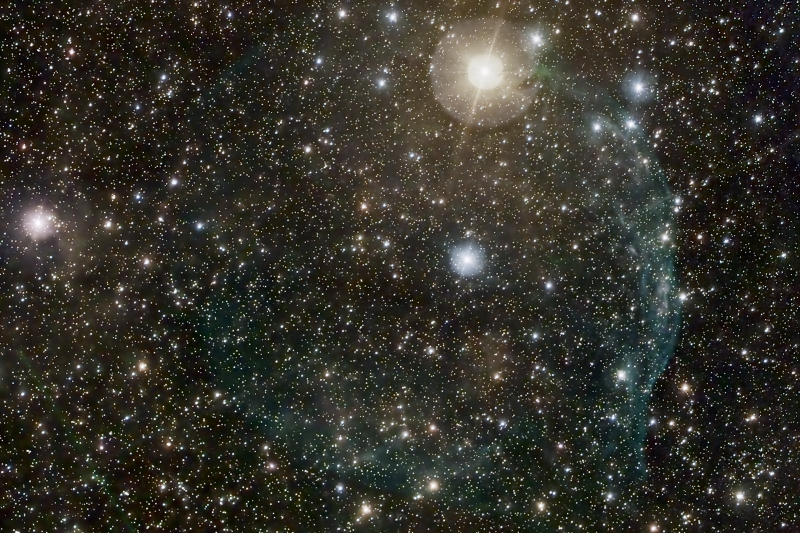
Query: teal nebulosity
347	336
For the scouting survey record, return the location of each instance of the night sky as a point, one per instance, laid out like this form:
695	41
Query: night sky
400	266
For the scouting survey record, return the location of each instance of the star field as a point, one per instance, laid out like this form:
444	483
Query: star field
396	266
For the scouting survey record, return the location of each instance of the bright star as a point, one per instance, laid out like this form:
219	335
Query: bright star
467	260
486	71
39	224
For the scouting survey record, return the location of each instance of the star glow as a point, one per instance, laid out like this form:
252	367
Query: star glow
486	71
481	71
467	260
39	224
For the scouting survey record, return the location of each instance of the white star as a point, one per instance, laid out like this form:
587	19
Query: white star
467	260
486	71
39	224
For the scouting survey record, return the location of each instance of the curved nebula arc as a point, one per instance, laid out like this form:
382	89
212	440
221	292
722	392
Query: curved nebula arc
512	357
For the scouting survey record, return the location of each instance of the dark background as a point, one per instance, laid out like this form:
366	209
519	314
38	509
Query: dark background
92	441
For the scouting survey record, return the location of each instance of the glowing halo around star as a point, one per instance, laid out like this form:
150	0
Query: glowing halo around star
467	259
485	72
481	70
39	223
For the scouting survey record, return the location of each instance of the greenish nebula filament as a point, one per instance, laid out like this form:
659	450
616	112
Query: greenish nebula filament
520	385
